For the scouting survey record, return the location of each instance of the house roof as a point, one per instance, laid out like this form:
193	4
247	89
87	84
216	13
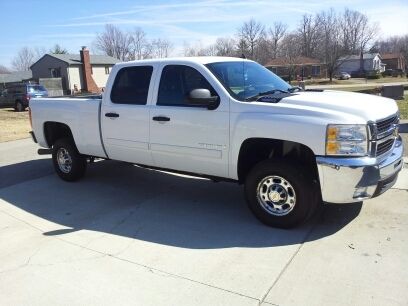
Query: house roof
366	56
300	60
16	76
75	59
391	55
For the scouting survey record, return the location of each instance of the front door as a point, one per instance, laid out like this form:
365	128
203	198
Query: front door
125	115
184	137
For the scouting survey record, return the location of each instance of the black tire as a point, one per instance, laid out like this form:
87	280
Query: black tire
77	163
301	190
19	106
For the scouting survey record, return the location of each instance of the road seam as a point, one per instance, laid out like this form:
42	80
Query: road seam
262	300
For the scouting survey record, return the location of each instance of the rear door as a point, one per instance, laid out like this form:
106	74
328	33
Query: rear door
125	115
184	137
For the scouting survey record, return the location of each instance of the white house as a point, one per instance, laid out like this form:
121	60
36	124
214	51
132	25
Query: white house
77	71
354	63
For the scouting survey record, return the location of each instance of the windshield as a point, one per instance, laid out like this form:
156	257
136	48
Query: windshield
246	79
36	88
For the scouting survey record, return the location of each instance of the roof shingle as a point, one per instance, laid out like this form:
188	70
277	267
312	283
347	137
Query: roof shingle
75	59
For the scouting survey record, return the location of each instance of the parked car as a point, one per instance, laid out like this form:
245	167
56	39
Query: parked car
230	119
18	96
343	76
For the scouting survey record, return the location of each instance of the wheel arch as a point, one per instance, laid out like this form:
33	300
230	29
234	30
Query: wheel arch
254	150
56	130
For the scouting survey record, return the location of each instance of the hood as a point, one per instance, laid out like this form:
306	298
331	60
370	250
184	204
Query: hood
368	107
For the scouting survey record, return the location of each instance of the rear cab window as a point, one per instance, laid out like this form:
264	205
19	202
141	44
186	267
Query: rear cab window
131	85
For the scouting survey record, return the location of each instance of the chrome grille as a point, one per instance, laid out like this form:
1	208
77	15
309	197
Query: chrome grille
383	135
385	127
385	146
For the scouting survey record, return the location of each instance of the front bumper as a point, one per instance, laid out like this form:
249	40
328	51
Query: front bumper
345	180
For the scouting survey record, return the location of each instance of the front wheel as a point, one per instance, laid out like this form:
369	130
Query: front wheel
280	193
69	164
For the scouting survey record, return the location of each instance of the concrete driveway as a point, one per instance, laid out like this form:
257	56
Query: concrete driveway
130	236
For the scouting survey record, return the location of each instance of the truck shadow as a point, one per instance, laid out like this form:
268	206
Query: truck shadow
158	207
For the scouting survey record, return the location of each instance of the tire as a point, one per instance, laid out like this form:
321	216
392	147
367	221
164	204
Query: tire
69	164
19	107
280	193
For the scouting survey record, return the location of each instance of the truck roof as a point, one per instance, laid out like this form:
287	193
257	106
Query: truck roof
194	59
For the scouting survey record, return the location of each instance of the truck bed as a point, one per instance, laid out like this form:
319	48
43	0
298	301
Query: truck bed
82	115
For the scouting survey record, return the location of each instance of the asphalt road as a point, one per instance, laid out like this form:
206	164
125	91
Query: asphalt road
130	236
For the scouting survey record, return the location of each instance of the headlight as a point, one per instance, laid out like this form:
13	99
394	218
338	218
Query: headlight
346	139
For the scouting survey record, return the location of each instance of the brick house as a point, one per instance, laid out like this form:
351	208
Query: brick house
301	65
394	61
82	72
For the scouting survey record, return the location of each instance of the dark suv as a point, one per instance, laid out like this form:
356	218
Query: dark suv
18	96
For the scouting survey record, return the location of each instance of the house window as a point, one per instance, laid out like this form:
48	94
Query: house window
274	70
315	70
55	72
107	69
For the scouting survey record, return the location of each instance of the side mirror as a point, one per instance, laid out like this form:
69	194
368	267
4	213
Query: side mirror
202	97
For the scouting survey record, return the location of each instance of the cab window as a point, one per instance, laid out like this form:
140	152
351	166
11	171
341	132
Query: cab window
177	81
131	85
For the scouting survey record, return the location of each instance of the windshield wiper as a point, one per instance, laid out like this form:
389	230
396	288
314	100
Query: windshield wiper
294	88
265	93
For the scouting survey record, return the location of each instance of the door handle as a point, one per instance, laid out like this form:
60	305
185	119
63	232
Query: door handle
112	115
161	118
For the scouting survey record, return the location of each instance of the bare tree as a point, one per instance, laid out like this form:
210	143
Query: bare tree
4	70
394	44
291	49
57	49
225	46
161	47
24	59
114	42
276	33
331	48
308	31
139	45
357	32
199	50
250	34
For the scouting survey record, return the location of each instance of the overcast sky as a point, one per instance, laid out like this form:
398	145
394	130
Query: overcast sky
73	24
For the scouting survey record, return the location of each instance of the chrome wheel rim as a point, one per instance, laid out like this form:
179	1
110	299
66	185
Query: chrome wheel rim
64	160
276	195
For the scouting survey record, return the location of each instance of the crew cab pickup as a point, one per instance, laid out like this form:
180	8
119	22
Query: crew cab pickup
230	119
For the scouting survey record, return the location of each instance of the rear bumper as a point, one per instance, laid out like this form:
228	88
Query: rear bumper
345	180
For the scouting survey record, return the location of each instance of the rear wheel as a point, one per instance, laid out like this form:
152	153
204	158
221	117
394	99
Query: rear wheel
69	164
280	193
18	106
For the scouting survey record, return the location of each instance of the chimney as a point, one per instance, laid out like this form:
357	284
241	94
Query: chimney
89	83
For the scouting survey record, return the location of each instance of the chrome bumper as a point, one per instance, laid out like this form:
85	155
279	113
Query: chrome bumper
345	180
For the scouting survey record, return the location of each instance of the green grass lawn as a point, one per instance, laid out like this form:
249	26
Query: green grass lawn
403	107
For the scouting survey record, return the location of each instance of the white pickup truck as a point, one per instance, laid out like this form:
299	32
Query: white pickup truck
230	119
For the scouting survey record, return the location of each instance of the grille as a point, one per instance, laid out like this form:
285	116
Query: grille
386	124
385	146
